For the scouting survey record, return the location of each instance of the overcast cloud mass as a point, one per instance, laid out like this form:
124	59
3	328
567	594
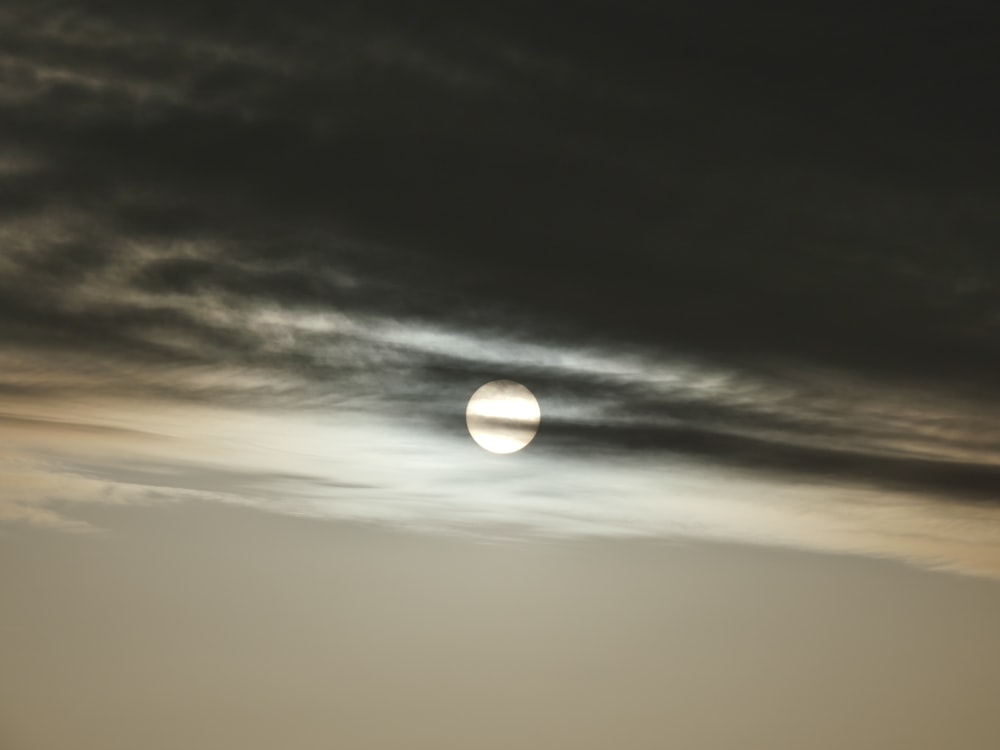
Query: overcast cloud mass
746	260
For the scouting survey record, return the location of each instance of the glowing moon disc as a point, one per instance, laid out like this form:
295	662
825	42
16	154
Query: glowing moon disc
503	416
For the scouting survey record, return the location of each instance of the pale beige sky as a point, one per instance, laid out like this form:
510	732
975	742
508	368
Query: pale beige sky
226	628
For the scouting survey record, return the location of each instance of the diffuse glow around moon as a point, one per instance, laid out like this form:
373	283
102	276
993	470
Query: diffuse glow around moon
503	416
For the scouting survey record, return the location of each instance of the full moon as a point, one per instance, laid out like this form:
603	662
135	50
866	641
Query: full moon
503	416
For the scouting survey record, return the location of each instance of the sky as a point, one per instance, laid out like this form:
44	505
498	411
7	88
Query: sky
256	257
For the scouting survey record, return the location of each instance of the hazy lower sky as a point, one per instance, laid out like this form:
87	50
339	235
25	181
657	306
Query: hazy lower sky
256	257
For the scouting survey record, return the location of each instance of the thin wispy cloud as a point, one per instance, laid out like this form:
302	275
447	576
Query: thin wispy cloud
344	233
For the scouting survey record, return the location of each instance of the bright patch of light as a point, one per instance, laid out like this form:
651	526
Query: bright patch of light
503	416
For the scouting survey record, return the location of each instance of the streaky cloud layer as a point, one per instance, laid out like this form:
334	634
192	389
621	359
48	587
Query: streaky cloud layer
757	299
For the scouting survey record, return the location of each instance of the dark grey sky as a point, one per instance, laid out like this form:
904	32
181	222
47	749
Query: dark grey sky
799	201
756	239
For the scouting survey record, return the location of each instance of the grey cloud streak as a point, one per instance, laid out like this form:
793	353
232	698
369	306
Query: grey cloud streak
736	249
